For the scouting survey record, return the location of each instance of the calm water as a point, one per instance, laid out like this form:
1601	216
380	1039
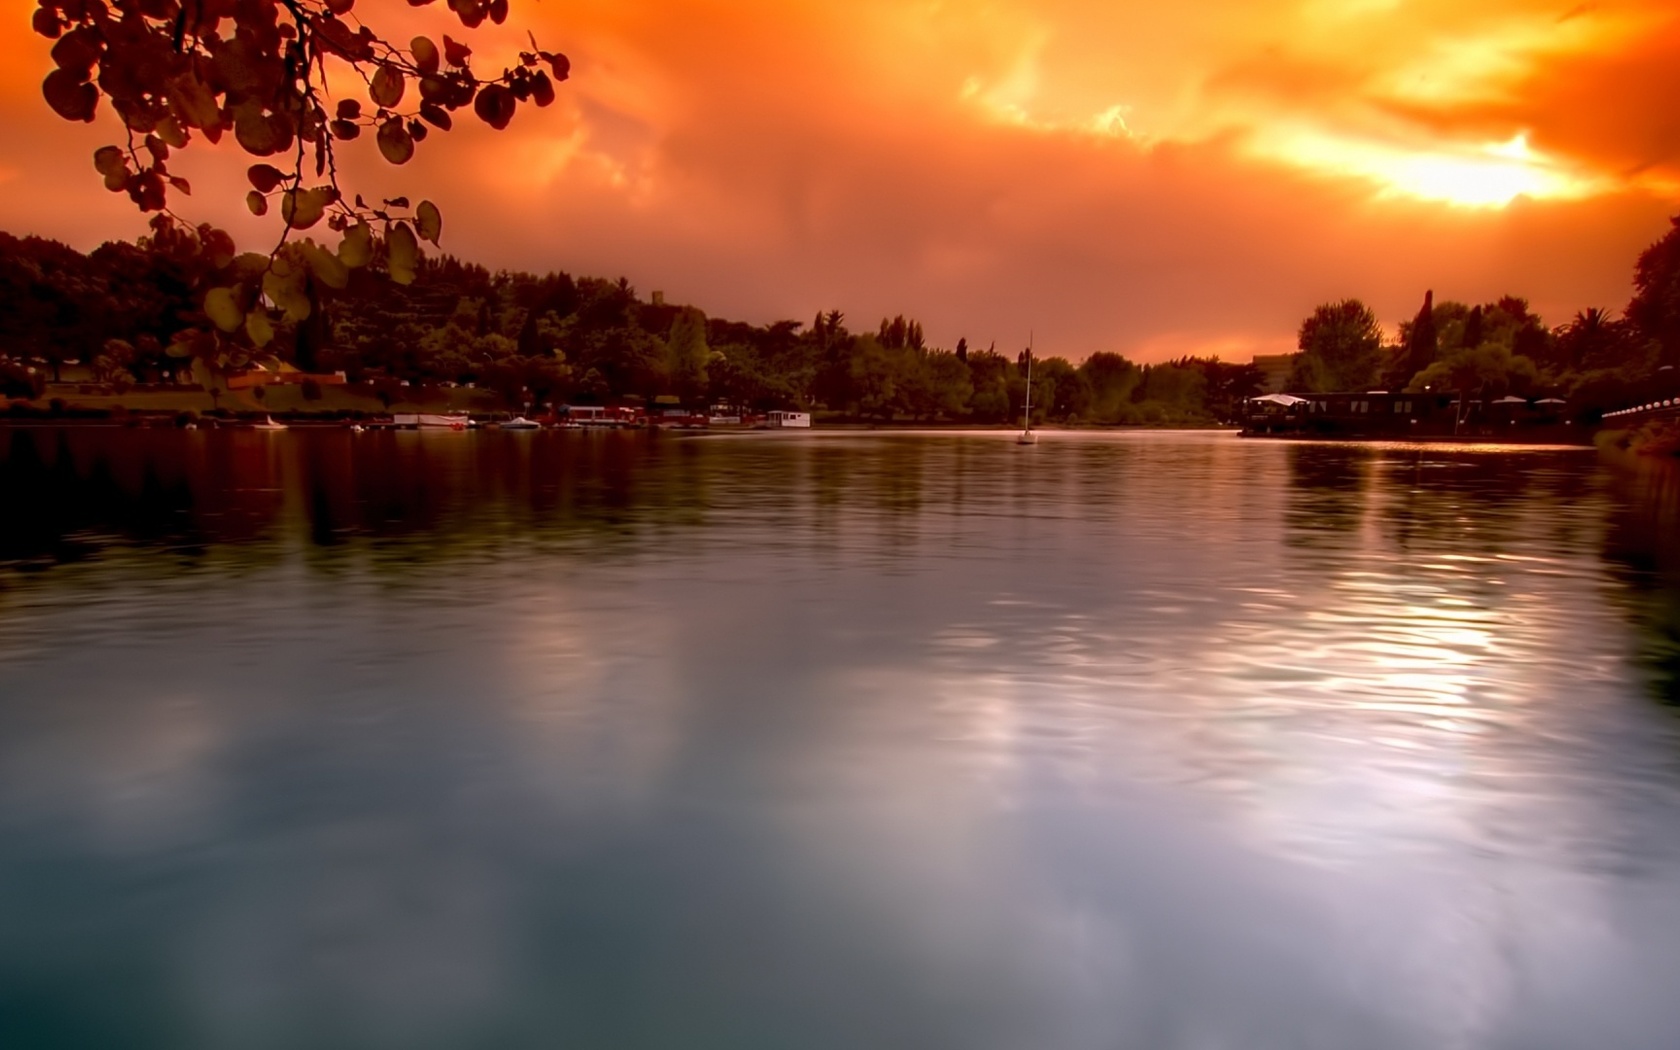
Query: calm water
834	741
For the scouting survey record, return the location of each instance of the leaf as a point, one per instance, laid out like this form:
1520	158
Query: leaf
193	103
328	268
498	11
542	89
495	106
344	131
455	53
107	159
340	7
145	189
283	283
250	266
257	203
470	12
425	54
356	250
265	177
349	109
170	131
181	184
395	142
436	116
69	97
561	65
218	246
77	52
402	254
434	89
45	22
221	305
303	208
428	221
259	327
263	134
386	87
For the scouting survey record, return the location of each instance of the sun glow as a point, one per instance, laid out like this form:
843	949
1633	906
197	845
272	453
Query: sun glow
1489	175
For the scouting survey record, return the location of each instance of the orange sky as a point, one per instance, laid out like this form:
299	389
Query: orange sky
1152	179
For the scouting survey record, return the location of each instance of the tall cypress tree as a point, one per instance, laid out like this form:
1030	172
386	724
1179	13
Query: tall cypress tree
1422	341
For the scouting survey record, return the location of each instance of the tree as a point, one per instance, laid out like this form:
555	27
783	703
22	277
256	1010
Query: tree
1226	386
1419	340
1593	340
688	354
1060	390
257	69
1489	369
1341	346
1654	310
877	377
1113	380
990	373
1173	393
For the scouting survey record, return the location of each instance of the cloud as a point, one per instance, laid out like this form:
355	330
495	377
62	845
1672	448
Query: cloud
1158	181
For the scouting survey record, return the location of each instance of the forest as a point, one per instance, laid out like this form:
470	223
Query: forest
537	340
553	338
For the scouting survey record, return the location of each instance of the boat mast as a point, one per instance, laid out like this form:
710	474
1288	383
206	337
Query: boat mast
1026	416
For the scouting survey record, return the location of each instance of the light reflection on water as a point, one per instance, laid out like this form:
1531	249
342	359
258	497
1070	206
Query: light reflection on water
1153	740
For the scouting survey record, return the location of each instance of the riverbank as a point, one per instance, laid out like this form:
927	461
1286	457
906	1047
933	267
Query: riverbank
1657	437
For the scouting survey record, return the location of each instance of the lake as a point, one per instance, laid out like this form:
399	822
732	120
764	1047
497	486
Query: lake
834	740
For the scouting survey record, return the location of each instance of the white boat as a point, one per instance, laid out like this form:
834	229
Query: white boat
268	423
1027	437
521	423
779	420
432	420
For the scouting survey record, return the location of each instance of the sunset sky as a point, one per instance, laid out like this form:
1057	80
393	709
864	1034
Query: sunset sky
1152	179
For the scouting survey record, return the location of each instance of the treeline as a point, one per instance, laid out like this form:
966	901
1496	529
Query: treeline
551	338
537	340
1597	361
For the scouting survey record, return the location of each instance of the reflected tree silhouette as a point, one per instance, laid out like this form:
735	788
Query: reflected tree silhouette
1640	541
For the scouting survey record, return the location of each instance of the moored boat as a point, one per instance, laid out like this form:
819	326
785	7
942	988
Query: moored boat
1027	437
432	420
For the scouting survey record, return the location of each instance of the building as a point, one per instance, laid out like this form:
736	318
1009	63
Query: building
1382	415
1275	368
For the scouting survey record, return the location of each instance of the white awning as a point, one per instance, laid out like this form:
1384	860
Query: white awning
1279	399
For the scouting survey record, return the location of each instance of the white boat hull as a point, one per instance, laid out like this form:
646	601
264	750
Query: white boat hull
431	421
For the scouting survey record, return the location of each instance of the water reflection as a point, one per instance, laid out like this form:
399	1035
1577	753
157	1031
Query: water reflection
1640	543
1149	740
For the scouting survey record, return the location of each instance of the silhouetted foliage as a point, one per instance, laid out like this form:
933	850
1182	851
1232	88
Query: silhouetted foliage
256	71
1595	361
539	339
1654	311
1340	348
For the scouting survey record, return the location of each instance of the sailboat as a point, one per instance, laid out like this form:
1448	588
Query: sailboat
1027	437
